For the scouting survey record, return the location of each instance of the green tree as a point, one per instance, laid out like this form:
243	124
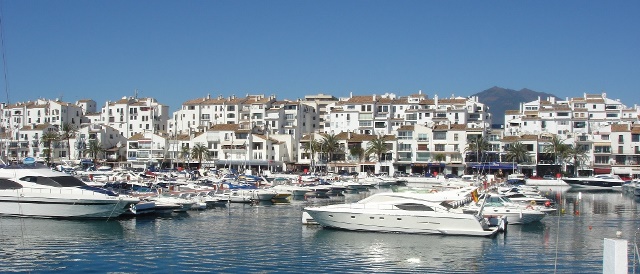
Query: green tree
377	147
557	149
517	152
357	151
313	147
68	132
200	152
330	146
184	154
478	146
440	157
94	149
577	155
47	139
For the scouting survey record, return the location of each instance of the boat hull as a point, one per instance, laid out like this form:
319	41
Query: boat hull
63	207
420	223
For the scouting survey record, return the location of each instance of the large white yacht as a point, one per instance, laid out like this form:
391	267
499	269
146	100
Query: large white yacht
402	212
602	181
32	190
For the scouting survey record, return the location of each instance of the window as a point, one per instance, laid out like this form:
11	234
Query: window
455	136
621	139
405	135
602	160
635	137
423	147
602	149
439	147
605	137
404	147
620	149
289	116
439	136
423	137
365	123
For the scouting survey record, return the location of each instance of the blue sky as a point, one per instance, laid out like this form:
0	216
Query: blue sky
181	50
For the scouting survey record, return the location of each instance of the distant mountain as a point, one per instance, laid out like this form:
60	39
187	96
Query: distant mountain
500	100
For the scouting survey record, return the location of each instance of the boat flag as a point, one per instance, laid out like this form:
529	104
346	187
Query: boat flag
474	195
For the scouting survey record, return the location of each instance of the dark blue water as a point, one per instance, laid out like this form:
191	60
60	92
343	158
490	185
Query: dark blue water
271	239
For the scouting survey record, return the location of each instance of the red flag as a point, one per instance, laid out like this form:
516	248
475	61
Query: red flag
474	195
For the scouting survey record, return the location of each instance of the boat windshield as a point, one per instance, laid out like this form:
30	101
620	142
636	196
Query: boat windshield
414	207
8	184
57	181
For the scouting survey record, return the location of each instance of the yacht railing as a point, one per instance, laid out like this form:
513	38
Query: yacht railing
60	191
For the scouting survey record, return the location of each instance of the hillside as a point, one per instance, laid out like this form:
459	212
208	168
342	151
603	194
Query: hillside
500	100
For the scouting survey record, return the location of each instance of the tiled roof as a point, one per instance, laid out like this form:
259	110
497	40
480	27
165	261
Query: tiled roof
38	127
224	127
620	128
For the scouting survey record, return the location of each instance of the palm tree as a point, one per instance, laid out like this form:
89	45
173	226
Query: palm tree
440	157
478	146
357	151
184	154
517	152
378	147
558	149
68	132
576	154
94	149
312	146
47	139
330	145
200	152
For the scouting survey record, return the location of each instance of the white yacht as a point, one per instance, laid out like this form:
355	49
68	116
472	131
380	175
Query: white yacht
501	205
32	190
602	181
402	212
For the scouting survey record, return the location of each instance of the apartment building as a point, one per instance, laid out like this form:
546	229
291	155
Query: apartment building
131	115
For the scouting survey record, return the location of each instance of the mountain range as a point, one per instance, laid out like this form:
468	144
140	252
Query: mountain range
500	100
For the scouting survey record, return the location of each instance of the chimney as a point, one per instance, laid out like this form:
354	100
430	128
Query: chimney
208	96
374	97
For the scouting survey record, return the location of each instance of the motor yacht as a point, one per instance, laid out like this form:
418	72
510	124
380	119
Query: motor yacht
33	190
602	181
405	213
501	205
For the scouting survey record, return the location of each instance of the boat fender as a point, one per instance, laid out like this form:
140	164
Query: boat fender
434	191
533	202
530	207
547	204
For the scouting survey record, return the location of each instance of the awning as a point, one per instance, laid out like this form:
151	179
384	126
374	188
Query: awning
621	170
601	170
495	166
428	164
247	162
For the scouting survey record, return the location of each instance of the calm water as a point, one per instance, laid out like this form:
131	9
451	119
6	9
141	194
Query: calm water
271	239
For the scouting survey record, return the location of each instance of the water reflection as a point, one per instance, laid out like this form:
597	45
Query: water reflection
395	250
28	243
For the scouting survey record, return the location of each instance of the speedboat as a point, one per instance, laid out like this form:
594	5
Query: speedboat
602	181
33	190
404	213
501	205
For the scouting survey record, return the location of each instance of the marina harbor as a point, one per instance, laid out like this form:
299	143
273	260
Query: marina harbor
314	221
